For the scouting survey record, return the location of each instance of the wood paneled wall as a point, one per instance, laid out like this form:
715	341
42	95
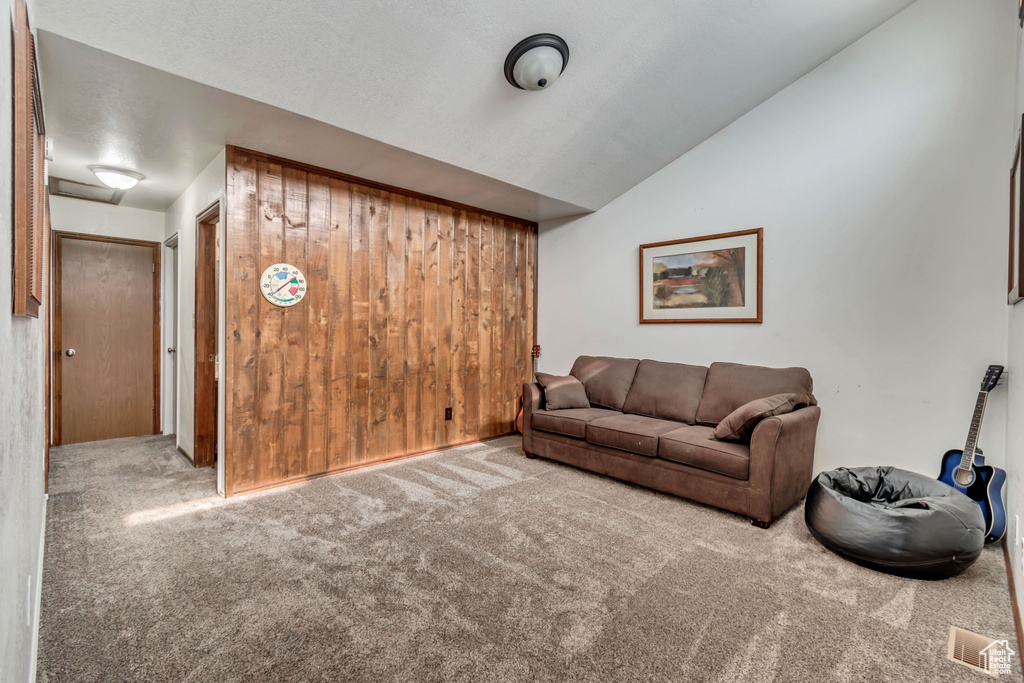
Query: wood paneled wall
413	305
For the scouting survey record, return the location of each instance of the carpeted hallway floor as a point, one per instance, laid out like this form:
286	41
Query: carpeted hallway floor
474	564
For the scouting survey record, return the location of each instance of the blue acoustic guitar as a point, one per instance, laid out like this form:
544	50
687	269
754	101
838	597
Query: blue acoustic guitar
967	472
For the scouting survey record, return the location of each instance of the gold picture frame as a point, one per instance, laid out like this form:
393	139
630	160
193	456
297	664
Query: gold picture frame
1015	252
709	279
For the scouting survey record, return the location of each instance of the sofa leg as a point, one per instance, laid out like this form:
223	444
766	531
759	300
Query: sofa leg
759	523
531	456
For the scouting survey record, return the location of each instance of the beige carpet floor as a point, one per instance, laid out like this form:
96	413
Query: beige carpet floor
474	564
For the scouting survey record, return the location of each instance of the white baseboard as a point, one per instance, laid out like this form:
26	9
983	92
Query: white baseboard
39	595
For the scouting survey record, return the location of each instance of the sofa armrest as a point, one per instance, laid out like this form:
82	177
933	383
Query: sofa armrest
782	460
532	400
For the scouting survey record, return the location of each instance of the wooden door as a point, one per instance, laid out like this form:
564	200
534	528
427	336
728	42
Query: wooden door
107	336
205	426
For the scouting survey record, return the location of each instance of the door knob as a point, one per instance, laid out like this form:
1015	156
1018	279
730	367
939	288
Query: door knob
70	352
171	349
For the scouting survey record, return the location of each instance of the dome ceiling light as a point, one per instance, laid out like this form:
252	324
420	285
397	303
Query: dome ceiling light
117	178
535	62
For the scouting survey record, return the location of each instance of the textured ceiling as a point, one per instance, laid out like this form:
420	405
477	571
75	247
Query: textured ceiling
104	109
646	82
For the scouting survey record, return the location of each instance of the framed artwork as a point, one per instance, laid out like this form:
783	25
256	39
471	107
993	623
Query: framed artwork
712	279
1020	12
1015	258
28	182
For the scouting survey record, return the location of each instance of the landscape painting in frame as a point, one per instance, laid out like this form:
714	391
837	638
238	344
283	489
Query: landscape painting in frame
1015	284
716	278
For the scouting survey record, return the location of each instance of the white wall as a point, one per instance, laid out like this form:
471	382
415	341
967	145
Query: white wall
1014	494
880	180
94	218
206	189
22	435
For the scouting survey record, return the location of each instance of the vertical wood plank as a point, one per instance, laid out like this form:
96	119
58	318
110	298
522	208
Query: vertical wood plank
524	358
318	305
428	378
270	385
359	330
240	355
472	429
377	436
486	347
339	444
531	291
294	367
498	338
414	325
445	230
397	287
510	344
458	352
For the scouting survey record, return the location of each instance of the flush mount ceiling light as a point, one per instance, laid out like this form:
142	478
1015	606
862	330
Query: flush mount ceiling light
535	62
117	178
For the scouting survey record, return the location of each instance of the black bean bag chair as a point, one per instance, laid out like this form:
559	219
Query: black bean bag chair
895	521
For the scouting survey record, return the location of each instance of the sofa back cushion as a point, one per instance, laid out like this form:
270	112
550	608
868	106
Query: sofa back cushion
670	391
730	385
607	380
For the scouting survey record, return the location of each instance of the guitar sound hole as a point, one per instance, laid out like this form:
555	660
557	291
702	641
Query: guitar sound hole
964	477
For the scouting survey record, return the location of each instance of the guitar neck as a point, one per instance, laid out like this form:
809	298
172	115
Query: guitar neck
972	436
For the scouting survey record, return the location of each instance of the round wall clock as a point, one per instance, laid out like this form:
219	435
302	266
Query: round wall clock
283	284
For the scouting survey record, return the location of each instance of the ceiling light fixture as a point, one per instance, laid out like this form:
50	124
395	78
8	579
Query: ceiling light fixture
535	62
117	178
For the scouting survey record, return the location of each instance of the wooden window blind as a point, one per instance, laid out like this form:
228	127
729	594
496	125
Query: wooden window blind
29	171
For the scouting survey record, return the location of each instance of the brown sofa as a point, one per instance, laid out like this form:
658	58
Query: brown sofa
652	423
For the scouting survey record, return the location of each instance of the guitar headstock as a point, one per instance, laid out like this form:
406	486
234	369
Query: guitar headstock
991	377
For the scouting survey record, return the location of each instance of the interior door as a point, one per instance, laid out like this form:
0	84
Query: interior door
108	336
206	339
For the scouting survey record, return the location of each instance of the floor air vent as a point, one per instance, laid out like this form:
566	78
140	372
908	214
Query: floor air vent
975	651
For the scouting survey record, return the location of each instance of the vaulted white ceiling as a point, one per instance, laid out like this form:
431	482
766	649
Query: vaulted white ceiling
104	109
419	85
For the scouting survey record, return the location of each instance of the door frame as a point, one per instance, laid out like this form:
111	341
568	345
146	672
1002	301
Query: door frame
207	293
56	340
172	329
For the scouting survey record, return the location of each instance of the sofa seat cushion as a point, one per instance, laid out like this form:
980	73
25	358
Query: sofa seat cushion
695	446
607	380
569	421
633	433
730	385
670	391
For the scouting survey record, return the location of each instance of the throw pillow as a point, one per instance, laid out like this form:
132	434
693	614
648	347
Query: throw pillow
562	392
739	424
